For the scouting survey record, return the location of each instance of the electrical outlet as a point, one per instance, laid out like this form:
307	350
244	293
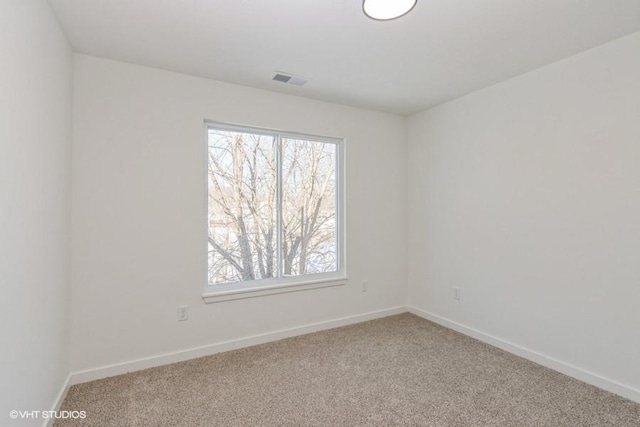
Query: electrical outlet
183	313
365	286
457	294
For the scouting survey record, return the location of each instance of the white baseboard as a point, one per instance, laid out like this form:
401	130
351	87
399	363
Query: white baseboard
59	399
541	359
179	356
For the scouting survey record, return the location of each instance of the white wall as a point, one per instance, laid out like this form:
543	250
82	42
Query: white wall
526	195
35	188
138	212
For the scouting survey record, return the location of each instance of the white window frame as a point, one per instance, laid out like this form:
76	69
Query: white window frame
254	288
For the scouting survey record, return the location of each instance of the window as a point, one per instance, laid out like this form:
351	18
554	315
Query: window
274	211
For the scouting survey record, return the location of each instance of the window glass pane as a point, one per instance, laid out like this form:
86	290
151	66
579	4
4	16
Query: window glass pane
309	229
242	206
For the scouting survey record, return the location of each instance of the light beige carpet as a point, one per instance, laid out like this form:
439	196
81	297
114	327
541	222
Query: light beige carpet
400	370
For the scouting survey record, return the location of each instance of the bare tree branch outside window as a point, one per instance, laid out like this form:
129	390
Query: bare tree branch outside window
245	172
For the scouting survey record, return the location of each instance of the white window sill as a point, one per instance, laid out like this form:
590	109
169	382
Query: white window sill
242	293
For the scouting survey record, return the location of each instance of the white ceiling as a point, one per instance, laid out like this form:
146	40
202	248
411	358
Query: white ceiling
441	50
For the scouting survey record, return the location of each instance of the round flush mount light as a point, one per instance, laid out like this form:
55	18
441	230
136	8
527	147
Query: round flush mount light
385	10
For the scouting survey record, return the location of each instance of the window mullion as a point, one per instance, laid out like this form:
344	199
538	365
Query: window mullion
279	254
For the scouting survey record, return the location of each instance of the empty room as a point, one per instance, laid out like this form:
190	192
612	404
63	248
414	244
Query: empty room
320	213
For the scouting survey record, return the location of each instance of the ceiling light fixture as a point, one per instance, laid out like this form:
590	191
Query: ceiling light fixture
385	10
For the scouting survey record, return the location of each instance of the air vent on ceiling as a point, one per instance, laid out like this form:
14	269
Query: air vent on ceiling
281	77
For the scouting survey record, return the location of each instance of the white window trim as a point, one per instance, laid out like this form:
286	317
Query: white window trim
263	290
256	288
